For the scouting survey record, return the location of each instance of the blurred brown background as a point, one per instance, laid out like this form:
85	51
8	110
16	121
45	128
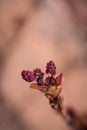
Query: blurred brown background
31	33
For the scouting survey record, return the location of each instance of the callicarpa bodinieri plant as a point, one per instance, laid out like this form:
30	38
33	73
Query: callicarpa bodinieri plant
50	84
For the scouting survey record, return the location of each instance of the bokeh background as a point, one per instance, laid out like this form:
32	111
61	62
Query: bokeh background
32	32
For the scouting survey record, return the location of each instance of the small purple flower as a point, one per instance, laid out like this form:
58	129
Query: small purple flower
28	75
38	73
49	85
51	68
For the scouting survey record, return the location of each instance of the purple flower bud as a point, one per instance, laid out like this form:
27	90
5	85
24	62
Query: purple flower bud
52	81
40	81
38	73
28	75
51	68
